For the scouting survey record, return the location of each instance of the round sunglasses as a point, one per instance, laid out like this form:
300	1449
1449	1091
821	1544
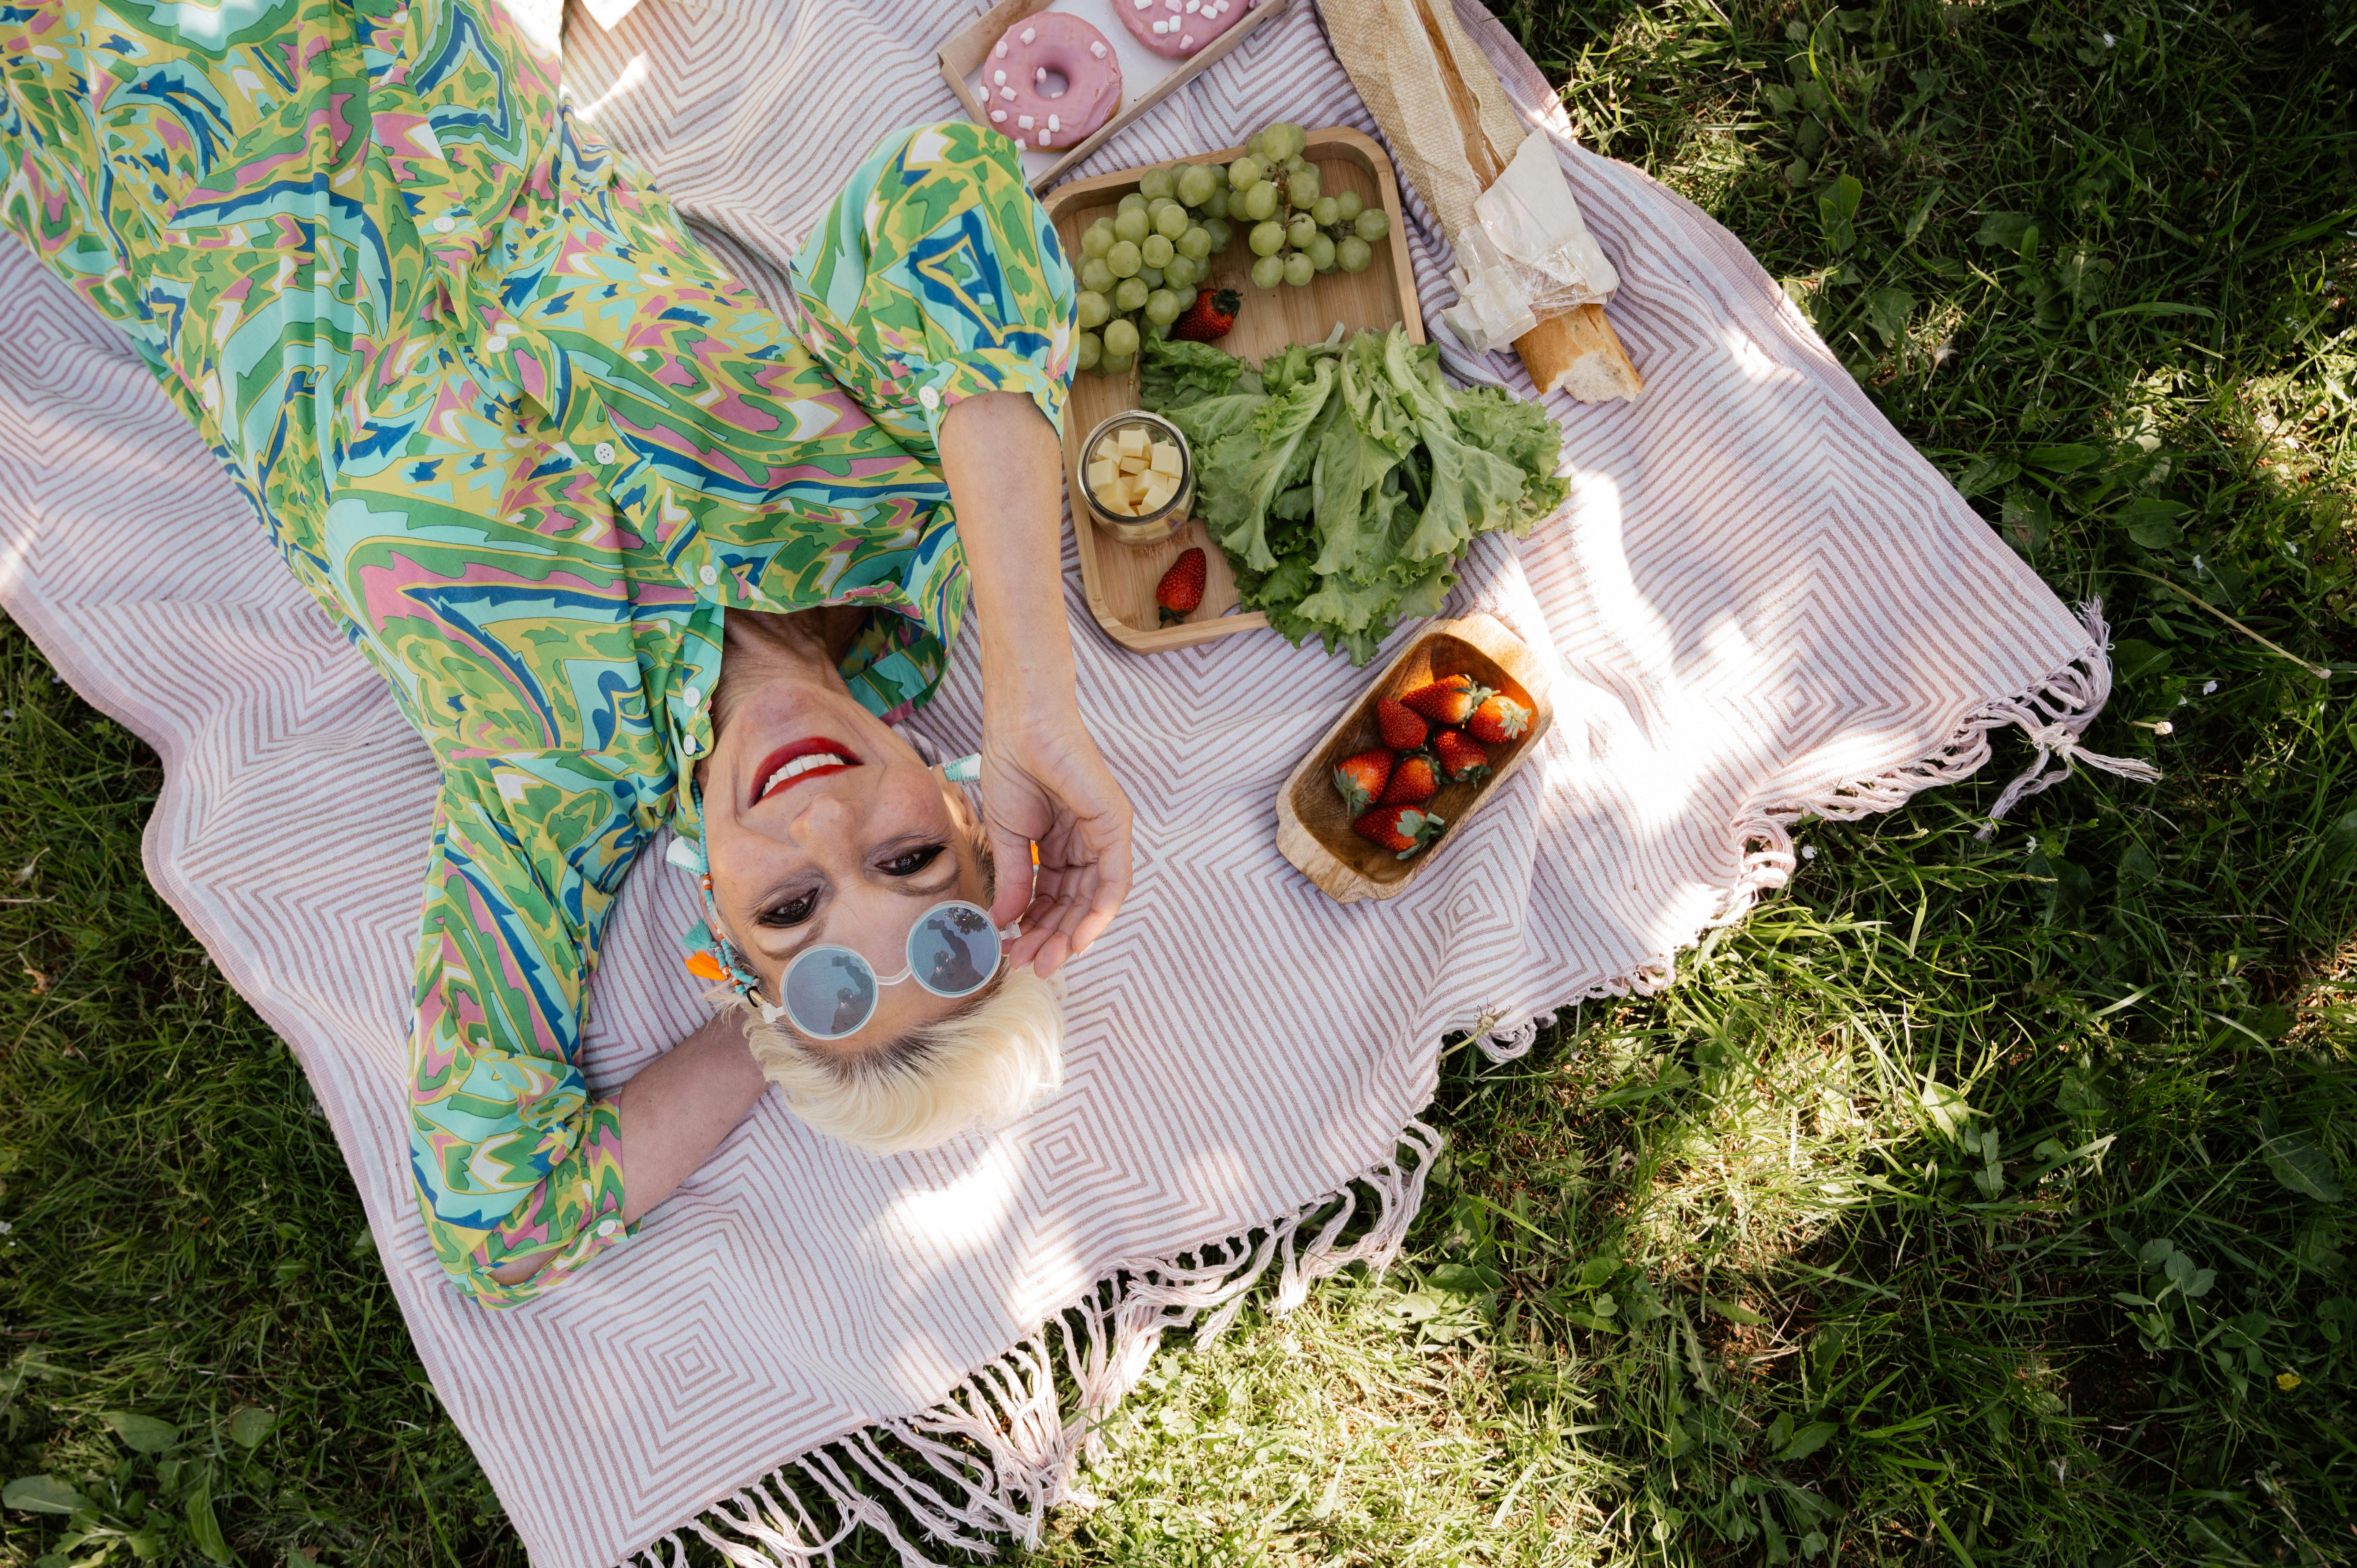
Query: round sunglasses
952	951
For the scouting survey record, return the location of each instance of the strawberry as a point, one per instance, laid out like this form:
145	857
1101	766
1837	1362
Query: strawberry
1402	728
1447	701
1181	588
1416	779
1210	316
1461	760
1402	830
1498	720
1359	780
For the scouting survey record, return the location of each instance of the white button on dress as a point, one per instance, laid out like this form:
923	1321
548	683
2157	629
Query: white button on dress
443	225
603	451
929	397
692	696
710	575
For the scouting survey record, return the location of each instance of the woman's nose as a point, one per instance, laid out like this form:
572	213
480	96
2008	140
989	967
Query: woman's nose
826	822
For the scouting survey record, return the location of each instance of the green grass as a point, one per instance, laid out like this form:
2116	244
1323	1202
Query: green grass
1972	1204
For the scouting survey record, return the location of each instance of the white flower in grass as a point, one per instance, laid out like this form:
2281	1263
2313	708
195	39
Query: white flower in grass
2209	687
1808	851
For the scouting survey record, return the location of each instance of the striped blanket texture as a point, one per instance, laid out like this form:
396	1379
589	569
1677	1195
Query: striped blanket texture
1761	604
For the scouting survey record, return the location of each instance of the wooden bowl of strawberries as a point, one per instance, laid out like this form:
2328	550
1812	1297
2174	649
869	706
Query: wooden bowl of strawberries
1445	723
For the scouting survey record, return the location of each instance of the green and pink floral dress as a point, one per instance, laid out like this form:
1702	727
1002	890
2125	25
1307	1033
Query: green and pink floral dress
527	443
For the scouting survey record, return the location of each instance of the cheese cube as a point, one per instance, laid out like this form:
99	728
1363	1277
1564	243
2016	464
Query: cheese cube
1132	465
1164	459
1160	488
1133	442
1100	474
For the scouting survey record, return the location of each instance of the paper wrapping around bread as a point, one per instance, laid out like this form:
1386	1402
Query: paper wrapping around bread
1444	122
1453	131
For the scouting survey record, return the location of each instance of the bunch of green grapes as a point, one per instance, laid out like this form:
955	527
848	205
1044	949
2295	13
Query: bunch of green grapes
1297	230
1145	264
1145	261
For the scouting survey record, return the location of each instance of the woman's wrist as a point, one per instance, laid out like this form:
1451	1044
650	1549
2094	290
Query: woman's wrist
1033	678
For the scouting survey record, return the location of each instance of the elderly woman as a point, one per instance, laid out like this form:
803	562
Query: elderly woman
631	552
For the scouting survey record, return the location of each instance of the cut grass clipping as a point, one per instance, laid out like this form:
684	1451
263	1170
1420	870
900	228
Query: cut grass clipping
1971	1205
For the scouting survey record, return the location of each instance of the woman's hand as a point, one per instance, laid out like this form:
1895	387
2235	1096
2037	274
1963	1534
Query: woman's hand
1044	783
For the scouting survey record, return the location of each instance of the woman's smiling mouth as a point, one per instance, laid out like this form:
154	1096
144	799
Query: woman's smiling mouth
801	759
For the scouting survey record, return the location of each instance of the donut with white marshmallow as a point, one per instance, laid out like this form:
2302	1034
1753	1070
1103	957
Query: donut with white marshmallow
1177	29
1027	62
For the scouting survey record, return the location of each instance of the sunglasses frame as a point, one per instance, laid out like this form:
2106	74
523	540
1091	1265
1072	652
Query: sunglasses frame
876	983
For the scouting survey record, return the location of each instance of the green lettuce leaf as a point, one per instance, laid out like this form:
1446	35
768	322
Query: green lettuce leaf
1521	434
1245	472
1213	419
1280	373
1349	606
1422	596
1355	457
1174	372
1472	488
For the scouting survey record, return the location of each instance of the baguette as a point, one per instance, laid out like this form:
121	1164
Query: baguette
1579	354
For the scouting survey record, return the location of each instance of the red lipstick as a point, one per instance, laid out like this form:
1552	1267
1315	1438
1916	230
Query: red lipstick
766	780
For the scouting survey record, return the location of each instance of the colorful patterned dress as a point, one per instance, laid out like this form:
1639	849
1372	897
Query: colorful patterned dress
526	443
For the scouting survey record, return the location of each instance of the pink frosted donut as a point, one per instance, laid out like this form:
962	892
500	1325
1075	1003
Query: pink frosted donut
1020	70
1177	29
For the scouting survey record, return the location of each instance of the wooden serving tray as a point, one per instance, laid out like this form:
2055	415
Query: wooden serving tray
1313	826
1119	579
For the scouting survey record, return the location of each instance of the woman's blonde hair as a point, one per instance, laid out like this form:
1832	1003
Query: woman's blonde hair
989	1062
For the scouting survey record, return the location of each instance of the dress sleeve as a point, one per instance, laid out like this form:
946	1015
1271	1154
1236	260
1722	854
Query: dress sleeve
511	1153
934	275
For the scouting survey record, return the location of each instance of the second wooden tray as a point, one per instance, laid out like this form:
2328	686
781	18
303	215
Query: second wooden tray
1313	826
1119	579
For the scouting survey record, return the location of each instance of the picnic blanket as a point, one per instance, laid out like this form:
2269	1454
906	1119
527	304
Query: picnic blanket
1760	603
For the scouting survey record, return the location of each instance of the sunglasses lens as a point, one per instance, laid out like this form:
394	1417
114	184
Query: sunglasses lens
953	950
830	992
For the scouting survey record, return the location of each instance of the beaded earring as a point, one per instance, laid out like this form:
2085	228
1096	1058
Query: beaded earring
720	963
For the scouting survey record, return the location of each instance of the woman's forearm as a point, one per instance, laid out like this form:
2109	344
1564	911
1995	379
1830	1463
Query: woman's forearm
680	1106
1058	822
674	1113
1005	475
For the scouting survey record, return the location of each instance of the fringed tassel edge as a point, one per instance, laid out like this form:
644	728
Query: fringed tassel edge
1000	1452
2054	714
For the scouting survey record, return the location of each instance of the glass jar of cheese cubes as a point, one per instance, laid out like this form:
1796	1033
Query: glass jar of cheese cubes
1138	477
